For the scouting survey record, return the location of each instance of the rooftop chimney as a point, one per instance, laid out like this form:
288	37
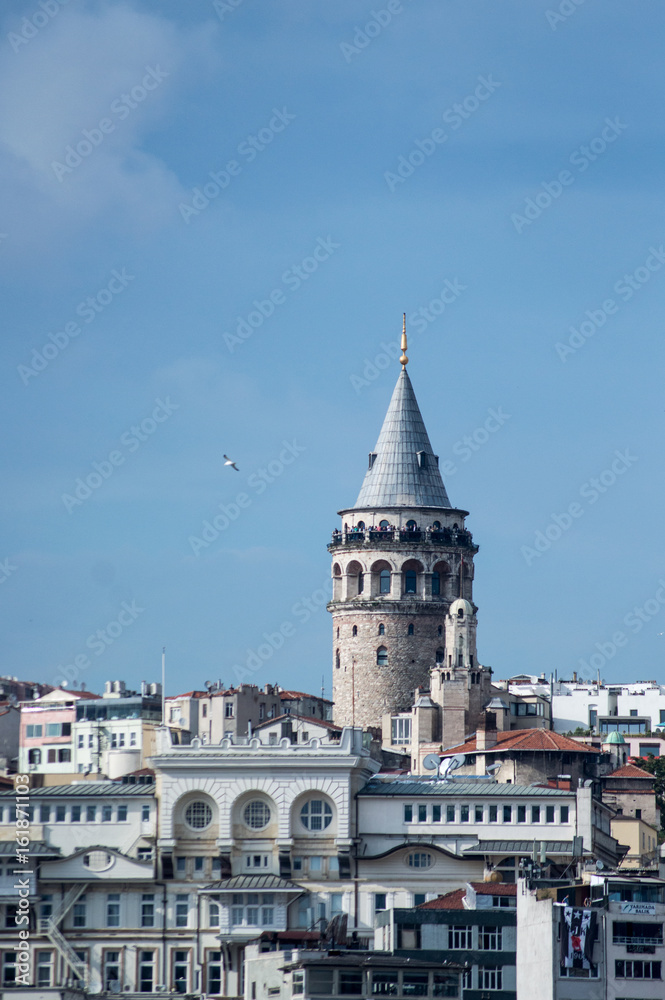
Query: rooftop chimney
486	736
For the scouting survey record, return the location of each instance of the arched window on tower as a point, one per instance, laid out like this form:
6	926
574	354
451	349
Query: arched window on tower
382	657
411	525
437	526
410	629
355	630
361	525
460	612
440	630
338	659
382	629
384	524
439	655
338	631
384	581
436	584
410	581
361	582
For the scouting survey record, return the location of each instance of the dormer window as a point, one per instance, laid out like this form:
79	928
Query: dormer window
460	612
372	458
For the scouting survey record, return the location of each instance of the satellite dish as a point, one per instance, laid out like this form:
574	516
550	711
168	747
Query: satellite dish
599	865
431	762
64	684
450	764
207	684
492	768
182	721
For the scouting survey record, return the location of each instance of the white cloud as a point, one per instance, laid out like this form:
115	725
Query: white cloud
81	68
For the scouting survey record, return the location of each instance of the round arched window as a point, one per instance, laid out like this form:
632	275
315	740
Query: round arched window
256	814
382	656
361	525
316	815
384	524
198	815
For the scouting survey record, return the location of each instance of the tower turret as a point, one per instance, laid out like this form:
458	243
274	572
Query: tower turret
400	559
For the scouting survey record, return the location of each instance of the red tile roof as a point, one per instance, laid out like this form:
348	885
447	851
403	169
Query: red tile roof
524	739
453	900
630	771
299	718
291	695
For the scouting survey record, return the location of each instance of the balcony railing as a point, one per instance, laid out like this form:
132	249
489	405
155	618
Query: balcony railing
448	538
620	939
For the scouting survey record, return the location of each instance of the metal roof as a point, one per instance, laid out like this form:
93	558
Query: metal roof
519	847
254	883
398	478
37	848
86	788
475	788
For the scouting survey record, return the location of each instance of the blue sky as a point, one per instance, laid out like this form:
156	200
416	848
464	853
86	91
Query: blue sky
367	163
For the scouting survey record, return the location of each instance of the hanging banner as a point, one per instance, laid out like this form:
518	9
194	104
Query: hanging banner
578	933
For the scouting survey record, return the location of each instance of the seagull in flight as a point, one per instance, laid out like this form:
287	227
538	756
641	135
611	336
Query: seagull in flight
233	465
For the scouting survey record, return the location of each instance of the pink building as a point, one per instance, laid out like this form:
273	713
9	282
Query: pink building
46	732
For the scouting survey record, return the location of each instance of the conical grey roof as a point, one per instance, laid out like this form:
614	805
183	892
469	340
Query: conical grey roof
405	471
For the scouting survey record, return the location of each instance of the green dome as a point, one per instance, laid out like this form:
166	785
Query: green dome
614	737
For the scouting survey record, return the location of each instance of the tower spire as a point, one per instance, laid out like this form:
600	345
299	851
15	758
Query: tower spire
403	360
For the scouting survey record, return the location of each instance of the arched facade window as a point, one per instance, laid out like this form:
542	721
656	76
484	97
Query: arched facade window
382	629
361	582
460	612
410	629
436	584
439	655
355	630
382	657
384	581
384	524
440	630
410	581
437	526
361	525
411	525
338	659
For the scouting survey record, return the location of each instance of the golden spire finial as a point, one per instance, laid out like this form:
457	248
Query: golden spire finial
403	360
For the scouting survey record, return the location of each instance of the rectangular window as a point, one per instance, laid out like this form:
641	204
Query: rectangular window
53	729
33	732
132	739
535	814
76	814
8	968
414	984
478	814
320	981
91	741
408	814
181	910
637	969
521	814
148	909
50	756
490	978
60	814
80	741
113	909
64	755
493	814
145	813
44	968
79	912
199	864
464	814
46	907
564	813
213	914
181	970
228	710
422	814
459	937
379	902
181	865
315	864
297	864
44	814
400	730
122	814
350	983
90	814
436	814
507	814
215	970
146	971
107	814
489	938
450	814
549	814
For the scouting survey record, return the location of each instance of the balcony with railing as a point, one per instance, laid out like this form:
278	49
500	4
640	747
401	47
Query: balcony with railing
445	537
